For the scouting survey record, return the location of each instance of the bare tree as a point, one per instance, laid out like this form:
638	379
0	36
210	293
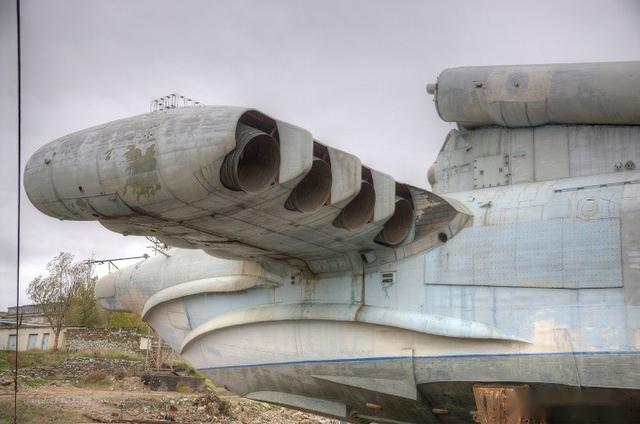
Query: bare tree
55	293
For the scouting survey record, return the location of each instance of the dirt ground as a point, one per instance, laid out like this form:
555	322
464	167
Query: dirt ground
65	403
107	386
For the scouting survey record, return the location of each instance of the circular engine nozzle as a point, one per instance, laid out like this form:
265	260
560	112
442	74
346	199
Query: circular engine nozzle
313	191
253	165
359	211
397	228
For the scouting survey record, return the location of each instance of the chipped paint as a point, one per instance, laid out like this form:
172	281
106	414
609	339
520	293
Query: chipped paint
143	179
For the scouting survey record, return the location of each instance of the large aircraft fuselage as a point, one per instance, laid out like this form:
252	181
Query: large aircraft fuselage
302	278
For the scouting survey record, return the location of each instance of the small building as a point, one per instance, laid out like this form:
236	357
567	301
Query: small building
28	313
31	335
36	333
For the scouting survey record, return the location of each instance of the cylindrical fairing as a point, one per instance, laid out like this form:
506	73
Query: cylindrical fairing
532	95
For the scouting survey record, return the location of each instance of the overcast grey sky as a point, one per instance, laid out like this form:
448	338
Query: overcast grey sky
352	72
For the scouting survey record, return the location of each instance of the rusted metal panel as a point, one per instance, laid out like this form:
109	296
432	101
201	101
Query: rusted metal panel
504	405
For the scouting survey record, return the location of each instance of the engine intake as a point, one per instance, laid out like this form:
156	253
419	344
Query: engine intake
253	165
397	228
359	211
313	191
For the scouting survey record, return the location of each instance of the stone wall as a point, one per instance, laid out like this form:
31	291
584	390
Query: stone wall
73	368
122	339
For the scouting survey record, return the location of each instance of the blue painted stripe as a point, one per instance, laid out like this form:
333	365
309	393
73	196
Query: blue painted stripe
395	358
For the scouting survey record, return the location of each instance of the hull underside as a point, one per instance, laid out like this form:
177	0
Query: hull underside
375	381
409	375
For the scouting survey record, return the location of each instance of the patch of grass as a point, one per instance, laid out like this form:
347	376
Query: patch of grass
109	354
182	367
210	384
94	377
95	380
30	358
4	363
183	388
259	406
29	413
31	381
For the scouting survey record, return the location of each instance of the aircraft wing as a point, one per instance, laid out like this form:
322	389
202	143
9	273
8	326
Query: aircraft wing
237	184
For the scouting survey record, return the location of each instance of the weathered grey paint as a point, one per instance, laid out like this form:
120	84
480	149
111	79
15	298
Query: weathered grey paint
525	267
492	156
532	95
159	175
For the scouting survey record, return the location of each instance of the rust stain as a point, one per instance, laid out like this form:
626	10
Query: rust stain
141	167
505	404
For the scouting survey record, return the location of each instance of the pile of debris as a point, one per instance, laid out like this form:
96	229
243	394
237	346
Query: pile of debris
207	408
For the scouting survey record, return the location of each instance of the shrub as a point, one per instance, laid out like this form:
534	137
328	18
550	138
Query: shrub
182	387
120	374
97	376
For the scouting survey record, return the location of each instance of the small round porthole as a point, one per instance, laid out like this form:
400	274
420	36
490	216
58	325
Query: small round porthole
443	237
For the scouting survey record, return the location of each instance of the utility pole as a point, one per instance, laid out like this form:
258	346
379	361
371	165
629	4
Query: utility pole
158	352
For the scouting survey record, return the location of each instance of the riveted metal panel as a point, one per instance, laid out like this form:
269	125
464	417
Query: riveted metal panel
591	253
631	243
491	171
521	156
109	206
558	253
538	253
551	153
598	149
